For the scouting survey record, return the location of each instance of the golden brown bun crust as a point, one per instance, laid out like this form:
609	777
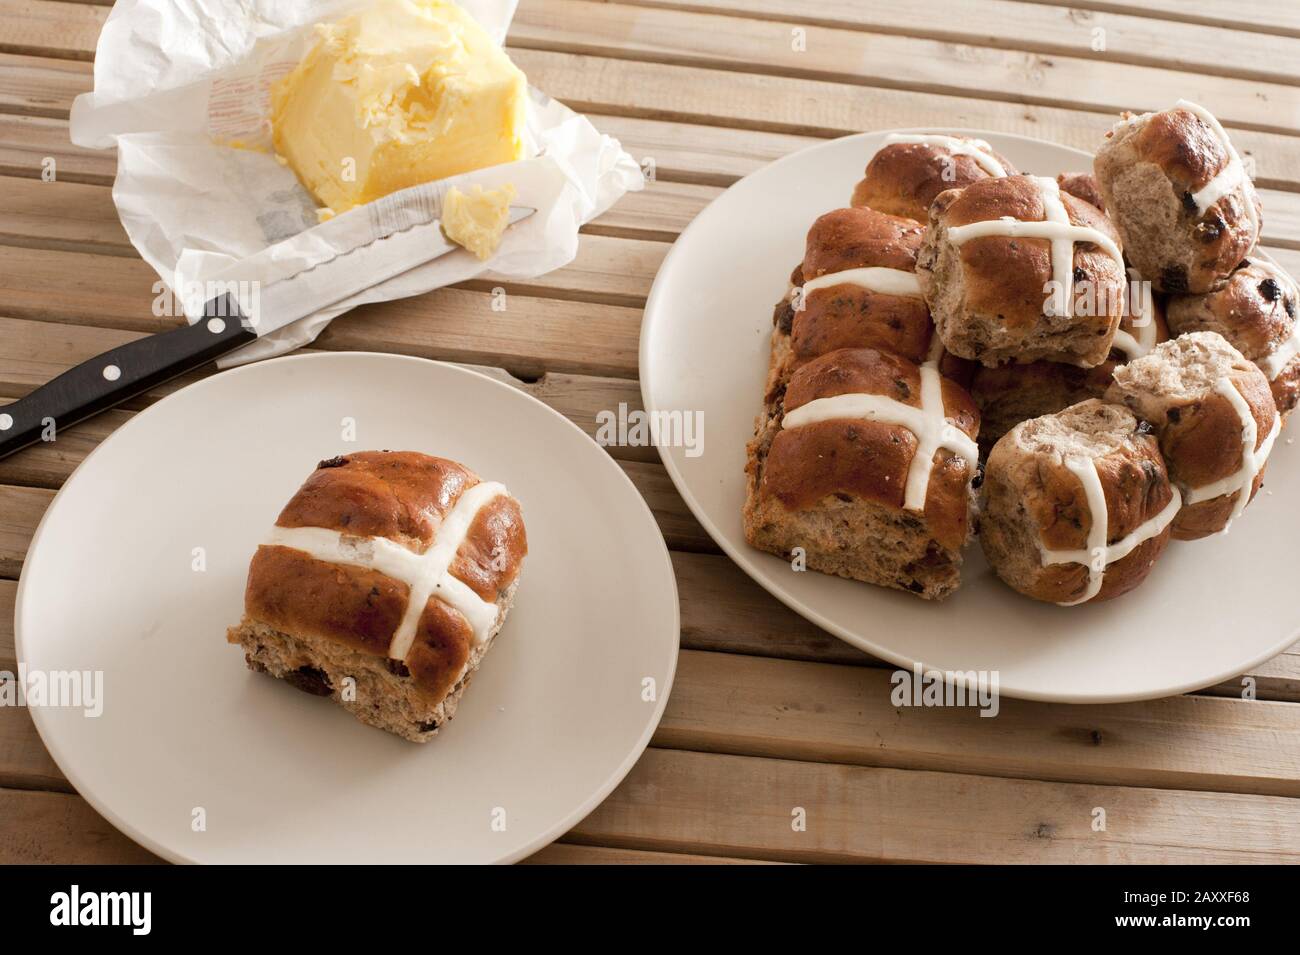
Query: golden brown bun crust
441	648
1082	185
1255	312
294	592
849	316
857	238
987	296
1032	498
1202	443
1149	169
1199	430
902	179
868	459
399	495
402	496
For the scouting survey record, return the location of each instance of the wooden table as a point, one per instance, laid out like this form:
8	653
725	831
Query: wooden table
768	713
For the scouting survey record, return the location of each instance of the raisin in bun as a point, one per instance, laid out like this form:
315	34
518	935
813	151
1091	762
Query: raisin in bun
1076	506
864	466
1214	414
1180	197
997	286
908	171
1256	312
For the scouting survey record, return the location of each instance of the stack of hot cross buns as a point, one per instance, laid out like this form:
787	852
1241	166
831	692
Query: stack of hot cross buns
1078	368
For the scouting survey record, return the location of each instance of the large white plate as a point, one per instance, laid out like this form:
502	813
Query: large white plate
553	721
1209	611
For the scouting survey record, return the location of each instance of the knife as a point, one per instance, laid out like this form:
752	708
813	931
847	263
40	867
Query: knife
405	237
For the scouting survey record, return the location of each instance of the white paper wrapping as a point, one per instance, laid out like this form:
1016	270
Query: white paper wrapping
176	81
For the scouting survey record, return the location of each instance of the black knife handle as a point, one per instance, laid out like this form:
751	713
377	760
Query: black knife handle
121	373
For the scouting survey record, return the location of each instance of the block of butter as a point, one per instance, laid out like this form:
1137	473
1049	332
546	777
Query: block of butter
401	92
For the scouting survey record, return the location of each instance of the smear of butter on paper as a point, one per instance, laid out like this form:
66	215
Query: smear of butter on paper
477	219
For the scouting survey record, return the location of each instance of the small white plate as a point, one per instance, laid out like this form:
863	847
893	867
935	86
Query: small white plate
556	715
1209	611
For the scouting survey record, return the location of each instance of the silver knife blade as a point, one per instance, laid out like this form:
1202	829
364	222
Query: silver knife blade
402	242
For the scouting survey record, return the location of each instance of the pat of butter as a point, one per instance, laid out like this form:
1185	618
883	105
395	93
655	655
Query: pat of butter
400	93
477	219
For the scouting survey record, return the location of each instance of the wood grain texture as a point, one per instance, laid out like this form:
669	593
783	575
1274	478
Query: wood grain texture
1049	28
44	827
1262	16
827	713
745	806
883	60
562	853
756	102
530	336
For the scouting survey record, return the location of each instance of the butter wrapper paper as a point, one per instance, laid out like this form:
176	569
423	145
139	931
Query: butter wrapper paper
182	88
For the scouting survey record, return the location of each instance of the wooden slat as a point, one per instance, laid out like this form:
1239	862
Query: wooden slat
20	511
560	853
24	761
42	827
26	142
41	86
51	28
736	805
826	713
1041	28
1264	16
885	60
531	336
63	215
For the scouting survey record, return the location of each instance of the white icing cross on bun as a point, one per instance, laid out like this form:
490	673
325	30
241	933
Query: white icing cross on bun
928	423
1242	480
1099	554
427	575
1056	228
976	149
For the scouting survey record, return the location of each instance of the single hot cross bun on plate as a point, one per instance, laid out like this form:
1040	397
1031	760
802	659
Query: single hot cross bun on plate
1214	414
1014	269
1076	506
909	170
1256	312
863	466
382	584
1180	197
